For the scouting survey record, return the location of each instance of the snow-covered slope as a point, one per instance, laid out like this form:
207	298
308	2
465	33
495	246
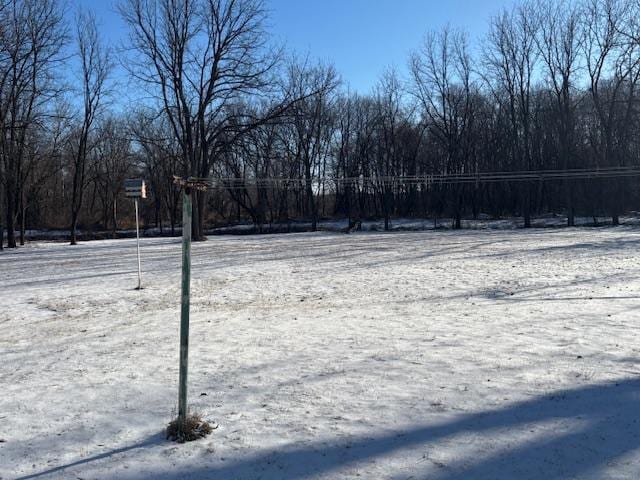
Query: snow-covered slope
440	355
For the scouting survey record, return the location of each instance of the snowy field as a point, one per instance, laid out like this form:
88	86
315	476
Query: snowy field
429	355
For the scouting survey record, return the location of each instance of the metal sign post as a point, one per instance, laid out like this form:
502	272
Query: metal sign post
185	302
138	247
136	189
188	186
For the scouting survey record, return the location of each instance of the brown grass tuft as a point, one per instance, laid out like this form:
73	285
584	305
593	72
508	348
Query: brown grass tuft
194	428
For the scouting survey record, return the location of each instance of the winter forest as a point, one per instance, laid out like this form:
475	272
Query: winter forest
552	86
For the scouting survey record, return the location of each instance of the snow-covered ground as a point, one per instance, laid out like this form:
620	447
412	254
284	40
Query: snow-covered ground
429	355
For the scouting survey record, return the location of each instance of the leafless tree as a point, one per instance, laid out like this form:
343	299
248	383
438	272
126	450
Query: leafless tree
389	104
312	124
96	66
111	162
510	60
199	57
613	65
32	35
559	41
161	159
441	78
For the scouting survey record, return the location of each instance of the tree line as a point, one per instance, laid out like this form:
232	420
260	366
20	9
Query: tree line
552	86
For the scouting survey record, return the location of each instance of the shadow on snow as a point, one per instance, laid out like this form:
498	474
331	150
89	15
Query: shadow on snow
606	428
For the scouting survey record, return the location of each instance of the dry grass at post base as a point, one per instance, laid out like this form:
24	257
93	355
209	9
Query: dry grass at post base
194	428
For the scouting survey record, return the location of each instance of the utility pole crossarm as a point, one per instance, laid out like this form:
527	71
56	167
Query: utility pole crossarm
191	183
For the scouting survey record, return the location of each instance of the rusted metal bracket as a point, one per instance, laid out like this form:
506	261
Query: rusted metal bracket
191	183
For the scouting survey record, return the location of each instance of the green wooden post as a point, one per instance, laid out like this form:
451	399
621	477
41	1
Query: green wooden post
184	317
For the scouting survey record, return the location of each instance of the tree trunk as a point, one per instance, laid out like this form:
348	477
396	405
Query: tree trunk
23	218
617	193
458	209
386	208
571	215
172	220
312	203
197	223
78	188
11	234
527	205
114	218
74	226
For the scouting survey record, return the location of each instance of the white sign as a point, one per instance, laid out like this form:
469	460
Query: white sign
135	188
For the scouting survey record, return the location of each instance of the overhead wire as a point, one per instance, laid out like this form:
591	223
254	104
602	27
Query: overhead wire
233	183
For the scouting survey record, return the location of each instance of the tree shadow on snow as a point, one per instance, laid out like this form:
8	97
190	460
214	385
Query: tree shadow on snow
597	246
607	427
603	425
151	441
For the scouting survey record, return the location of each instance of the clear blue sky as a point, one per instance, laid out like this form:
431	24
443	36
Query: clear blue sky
361	37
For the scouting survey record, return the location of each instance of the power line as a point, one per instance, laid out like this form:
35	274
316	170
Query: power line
231	183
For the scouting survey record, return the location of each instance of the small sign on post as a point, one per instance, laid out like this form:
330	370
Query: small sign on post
136	188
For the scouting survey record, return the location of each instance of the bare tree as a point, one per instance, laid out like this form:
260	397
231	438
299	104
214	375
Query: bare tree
389	117
312	124
95	69
357	125
199	57
111	163
161	159
559	41
43	162
510	59
32	36
441	81
613	66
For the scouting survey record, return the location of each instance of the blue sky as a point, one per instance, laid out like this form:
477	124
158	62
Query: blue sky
361	37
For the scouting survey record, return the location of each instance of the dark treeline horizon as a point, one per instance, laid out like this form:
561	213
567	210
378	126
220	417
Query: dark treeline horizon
553	86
